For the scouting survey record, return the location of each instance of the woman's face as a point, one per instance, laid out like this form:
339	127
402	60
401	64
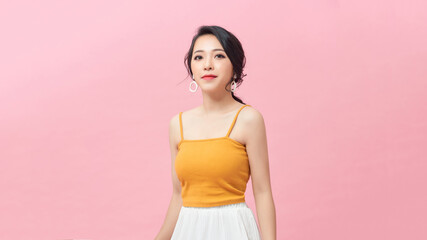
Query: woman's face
209	58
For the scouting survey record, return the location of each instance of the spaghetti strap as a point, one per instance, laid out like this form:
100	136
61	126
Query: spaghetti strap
180	126
234	120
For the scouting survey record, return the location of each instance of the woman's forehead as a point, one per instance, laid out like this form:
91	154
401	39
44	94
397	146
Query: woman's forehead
207	42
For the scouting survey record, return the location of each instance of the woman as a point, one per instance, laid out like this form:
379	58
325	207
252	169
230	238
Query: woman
215	148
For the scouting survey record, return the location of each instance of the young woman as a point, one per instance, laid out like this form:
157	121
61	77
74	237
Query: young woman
215	148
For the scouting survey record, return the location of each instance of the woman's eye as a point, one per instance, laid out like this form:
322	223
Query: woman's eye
199	57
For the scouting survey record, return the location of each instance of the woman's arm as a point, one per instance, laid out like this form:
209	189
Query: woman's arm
175	204
256	148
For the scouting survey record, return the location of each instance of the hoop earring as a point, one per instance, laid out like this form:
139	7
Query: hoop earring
235	85
197	86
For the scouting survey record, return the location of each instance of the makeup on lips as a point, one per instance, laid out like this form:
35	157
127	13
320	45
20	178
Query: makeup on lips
209	77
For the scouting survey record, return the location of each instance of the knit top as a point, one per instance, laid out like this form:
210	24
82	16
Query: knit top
212	171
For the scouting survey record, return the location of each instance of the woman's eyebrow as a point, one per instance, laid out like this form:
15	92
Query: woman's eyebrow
216	49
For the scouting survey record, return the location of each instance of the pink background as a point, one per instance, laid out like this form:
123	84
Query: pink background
87	89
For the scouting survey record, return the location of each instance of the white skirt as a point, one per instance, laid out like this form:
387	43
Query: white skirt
232	221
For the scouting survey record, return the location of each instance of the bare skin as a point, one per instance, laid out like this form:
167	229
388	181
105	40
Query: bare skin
212	119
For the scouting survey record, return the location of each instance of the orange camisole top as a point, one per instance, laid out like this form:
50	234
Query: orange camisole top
212	171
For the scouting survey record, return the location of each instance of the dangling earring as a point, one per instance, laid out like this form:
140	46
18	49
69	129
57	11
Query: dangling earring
233	83
197	86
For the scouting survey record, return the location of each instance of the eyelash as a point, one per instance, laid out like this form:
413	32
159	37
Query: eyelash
222	56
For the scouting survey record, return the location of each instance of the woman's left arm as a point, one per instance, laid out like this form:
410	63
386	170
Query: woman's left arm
256	148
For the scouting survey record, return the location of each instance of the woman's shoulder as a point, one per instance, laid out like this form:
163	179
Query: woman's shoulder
251	116
174	120
174	125
191	111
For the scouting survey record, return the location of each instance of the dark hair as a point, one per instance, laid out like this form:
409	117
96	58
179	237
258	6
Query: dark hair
232	47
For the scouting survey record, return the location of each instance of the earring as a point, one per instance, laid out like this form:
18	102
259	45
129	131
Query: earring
233	83
193	90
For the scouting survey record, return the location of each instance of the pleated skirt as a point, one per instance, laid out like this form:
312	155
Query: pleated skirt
225	222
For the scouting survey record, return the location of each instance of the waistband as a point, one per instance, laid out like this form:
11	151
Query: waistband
222	207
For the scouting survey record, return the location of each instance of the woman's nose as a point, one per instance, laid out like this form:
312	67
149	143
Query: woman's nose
208	64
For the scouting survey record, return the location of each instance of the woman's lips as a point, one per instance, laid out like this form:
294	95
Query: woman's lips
208	77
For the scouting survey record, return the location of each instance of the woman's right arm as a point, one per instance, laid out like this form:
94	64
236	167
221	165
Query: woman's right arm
175	204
